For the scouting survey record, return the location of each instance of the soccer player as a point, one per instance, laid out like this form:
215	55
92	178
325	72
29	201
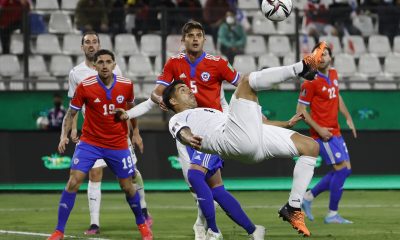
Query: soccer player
322	96
103	137
241	135
90	45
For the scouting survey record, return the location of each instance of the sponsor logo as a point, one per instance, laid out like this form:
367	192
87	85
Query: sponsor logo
296	200
205	76
182	75
64	205
97	100
120	99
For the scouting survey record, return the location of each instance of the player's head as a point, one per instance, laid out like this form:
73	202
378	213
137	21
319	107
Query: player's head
193	37
178	96
327	58
57	100
90	44
104	62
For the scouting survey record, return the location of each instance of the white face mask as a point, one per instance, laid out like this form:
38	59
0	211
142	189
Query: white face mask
230	20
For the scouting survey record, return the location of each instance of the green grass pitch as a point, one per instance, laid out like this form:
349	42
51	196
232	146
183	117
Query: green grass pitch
376	216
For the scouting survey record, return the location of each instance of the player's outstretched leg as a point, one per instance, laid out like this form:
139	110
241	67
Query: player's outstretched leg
138	181
307	68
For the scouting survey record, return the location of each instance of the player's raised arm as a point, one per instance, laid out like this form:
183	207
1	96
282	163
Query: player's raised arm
346	114
66	128
285	124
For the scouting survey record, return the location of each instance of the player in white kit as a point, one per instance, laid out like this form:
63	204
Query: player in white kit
90	45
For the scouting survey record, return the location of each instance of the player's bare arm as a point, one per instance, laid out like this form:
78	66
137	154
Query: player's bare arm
74	130
322	131
134	127
349	120
186	137
156	96
66	128
285	124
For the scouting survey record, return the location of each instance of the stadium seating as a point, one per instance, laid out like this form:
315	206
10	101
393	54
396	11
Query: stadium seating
369	65
248	4
17	44
9	65
105	41
392	65
125	45
268	60
37	66
47	44
261	25
174	44
69	5
255	45
345	65
279	45
354	45
60	22
379	44
47	5
244	63
307	43
60	65
72	44
289	59
364	24
150	44
396	44
209	45
288	26
139	66
122	65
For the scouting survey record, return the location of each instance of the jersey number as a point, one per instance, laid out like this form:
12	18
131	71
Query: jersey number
332	92
193	86
127	162
108	109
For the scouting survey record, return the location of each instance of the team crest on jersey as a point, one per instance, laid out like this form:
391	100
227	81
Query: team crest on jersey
205	76
336	82
120	99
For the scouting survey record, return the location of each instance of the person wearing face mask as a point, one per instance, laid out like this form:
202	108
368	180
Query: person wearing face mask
56	114
231	37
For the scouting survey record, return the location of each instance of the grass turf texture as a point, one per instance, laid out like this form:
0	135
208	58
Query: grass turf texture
375	215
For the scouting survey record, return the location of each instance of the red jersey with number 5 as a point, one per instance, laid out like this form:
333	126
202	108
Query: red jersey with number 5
322	95
100	127
204	77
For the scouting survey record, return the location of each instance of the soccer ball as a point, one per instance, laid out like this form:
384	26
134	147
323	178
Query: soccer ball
276	10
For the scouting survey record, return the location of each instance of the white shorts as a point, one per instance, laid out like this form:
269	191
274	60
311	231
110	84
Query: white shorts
246	138
101	163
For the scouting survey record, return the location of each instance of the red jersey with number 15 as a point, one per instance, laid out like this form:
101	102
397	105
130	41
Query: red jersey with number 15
322	95
204	77
99	127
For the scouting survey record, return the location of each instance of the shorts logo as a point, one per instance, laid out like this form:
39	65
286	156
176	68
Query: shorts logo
205	76
338	155
120	98
76	161
336	82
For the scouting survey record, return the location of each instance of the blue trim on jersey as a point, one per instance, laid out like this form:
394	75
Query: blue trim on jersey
324	77
162	83
303	102
108	90
236	79
194	64
74	107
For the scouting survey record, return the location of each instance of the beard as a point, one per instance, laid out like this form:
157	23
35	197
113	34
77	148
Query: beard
90	56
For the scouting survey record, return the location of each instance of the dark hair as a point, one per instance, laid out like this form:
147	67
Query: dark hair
90	33
169	92
57	95
327	48
191	25
103	52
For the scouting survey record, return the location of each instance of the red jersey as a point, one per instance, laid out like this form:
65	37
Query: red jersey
204	77
99	127
322	95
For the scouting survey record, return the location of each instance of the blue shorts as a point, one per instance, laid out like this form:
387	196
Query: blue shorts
119	161
211	162
334	151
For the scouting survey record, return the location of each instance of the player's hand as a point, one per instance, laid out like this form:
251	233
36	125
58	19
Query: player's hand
325	133
195	142
295	119
74	135
163	106
138	141
120	114
62	144
352	127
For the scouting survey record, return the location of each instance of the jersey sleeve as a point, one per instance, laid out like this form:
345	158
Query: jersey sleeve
306	93
72	84
227	72
167	76
176	123
78	98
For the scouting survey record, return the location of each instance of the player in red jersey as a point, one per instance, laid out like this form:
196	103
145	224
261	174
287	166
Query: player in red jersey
103	137
323	97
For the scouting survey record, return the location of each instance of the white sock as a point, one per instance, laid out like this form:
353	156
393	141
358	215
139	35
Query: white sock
309	196
94	197
332	213
264	79
138	181
302	175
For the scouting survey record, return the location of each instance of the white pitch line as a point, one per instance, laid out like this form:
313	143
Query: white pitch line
44	234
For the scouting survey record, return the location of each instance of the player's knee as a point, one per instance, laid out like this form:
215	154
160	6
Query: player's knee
96	174
127	187
73	184
309	147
